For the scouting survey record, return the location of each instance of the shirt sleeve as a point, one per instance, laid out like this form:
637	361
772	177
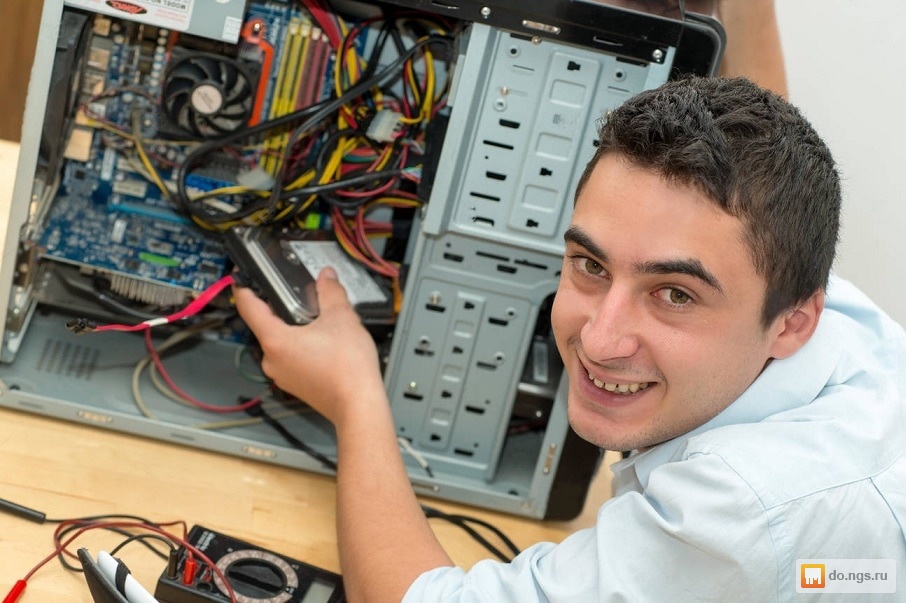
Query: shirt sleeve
697	532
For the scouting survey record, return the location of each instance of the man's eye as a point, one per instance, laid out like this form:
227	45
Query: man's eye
592	267
674	296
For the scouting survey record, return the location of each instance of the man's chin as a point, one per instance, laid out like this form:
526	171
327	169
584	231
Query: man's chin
611	434
600	435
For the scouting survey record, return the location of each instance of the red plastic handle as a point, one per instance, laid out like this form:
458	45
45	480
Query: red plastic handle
16	592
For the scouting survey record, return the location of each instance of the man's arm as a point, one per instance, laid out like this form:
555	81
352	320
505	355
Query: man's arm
332	364
753	43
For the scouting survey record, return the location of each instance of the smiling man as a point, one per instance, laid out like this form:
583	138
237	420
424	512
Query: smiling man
700	328
658	313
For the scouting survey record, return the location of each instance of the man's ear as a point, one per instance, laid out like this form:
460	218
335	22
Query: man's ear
795	327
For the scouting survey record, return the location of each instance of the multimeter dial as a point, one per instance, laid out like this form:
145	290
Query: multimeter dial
257	576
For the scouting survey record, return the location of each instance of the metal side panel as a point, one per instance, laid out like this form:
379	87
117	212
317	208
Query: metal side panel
461	348
533	109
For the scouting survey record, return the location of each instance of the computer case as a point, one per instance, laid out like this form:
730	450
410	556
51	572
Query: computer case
115	148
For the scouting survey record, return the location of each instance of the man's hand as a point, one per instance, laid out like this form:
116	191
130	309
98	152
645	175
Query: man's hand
324	363
332	364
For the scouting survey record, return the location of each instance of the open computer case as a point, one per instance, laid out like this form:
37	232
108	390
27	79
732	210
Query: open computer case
429	148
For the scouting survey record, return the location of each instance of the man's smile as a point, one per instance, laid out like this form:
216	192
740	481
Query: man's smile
620	388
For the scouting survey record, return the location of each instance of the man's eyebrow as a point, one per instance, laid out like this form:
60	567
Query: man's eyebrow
690	266
577	236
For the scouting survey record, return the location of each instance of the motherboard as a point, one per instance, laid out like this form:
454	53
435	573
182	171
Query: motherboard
173	139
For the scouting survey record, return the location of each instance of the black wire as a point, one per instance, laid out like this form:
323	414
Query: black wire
259	412
104	299
80	522
181	195
139	537
386	31
362	86
312	116
463	521
95	518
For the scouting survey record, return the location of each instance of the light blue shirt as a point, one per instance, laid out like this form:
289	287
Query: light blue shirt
808	463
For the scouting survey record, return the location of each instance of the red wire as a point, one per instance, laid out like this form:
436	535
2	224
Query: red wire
383	188
194	307
16	591
185	396
341	229
326	20
387	269
93	525
79	521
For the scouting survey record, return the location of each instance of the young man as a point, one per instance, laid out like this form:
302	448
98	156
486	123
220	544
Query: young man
699	327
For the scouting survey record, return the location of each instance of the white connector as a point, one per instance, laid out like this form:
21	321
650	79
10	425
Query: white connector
385	126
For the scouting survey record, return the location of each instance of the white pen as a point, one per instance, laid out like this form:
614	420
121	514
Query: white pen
131	589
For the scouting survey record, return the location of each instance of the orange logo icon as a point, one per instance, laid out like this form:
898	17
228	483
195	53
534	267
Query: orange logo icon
811	575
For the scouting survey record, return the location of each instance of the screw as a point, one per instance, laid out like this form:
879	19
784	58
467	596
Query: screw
435	298
657	55
485	11
413	386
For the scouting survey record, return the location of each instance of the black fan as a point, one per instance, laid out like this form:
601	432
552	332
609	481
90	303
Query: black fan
207	95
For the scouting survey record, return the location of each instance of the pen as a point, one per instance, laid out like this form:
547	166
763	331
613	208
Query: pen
118	574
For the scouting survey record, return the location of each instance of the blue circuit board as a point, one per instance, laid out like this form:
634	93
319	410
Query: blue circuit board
108	215
142	237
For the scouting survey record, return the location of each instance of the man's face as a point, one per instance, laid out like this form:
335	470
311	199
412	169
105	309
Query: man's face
658	312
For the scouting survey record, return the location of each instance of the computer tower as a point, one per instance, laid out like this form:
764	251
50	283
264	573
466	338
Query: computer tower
429	148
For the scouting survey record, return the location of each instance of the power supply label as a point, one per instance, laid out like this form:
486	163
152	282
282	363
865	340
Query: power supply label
217	19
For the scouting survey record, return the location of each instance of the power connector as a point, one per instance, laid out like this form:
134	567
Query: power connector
385	126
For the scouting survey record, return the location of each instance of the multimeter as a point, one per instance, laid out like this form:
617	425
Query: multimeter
256	575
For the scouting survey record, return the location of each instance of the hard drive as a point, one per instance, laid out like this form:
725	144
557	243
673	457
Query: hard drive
282	267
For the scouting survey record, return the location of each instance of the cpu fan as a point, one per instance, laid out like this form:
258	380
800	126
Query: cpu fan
207	95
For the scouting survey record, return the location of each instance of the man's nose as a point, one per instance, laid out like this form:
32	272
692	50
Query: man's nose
612	329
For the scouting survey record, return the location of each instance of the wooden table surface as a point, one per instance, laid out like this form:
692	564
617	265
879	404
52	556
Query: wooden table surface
68	470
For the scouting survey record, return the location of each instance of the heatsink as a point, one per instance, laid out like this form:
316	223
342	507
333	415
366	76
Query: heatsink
147	292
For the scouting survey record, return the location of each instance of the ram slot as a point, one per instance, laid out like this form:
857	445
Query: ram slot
287	82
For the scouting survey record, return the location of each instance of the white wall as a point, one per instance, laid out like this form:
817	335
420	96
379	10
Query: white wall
846	65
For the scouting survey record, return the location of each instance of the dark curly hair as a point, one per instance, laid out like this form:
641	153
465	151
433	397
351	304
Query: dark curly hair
752	153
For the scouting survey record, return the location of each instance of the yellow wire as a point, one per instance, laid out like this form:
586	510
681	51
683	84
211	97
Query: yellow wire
146	161
427	99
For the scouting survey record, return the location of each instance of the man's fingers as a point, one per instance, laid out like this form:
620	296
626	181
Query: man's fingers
331	293
259	316
254	310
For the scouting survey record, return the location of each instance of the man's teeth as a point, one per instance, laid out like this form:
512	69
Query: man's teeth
620	388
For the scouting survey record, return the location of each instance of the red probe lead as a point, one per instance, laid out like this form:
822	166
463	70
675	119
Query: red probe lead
16	592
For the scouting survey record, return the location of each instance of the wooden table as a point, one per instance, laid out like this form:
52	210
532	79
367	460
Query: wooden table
69	470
